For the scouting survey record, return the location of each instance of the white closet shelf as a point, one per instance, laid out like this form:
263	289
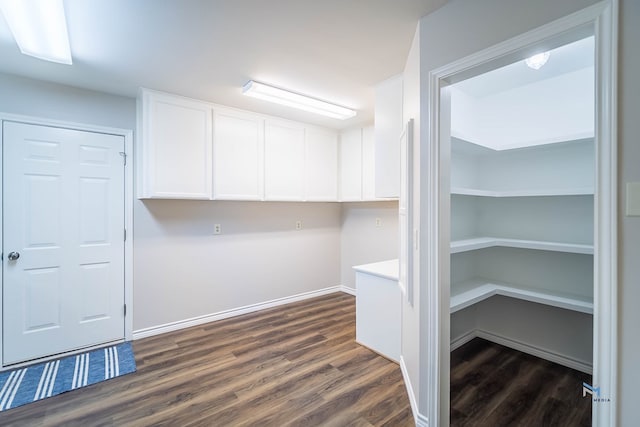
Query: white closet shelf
578	191
475	291
467	245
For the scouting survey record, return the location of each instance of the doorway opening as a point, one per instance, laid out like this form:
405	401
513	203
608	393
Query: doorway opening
522	185
598	21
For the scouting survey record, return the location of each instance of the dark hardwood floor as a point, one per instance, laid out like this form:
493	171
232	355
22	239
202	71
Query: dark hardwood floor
294	365
492	385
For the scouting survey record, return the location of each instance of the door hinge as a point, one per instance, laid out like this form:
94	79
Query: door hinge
125	310
124	157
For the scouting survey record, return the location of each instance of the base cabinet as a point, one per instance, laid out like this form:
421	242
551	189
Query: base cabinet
378	319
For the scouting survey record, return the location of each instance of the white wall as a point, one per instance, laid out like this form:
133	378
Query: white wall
562	335
410	343
629	227
362	242
183	271
19	95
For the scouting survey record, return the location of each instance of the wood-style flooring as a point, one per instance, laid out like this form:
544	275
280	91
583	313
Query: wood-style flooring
294	365
492	385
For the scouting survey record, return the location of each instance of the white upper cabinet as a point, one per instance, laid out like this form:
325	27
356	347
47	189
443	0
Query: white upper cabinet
174	147
321	165
238	155
351	165
388	128
190	149
284	161
368	164
357	165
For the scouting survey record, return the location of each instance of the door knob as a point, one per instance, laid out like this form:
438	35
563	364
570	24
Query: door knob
13	256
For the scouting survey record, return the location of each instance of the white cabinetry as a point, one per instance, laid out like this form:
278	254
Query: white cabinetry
388	128
357	169
368	164
378	319
351	165
238	155
321	165
174	147
190	149
301	162
284	161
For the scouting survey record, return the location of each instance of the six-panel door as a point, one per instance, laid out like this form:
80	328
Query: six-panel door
64	216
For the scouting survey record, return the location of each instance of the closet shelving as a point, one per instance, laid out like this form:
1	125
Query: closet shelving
523	193
522	224
465	245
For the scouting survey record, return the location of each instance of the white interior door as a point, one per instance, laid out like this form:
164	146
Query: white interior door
63	248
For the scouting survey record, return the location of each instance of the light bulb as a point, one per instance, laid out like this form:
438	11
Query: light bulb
537	61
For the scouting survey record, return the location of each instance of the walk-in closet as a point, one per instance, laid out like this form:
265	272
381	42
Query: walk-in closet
522	165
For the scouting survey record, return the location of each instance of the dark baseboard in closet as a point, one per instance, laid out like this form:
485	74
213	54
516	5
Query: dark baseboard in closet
492	385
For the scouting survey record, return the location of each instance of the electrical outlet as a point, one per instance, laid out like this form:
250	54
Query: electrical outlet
298	225
217	229
378	222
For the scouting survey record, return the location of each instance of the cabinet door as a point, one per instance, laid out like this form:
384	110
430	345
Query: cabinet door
321	165
388	127
284	161
176	147
238	154
351	165
368	164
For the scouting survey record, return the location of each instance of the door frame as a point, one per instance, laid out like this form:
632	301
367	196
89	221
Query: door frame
601	20
127	134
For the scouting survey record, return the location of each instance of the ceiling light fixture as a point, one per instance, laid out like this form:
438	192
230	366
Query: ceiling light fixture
295	100
537	61
39	27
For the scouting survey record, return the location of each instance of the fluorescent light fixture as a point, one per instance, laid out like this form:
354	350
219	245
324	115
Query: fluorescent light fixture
39	27
537	61
295	100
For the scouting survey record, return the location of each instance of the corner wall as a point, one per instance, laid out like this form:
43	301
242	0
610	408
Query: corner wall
362	241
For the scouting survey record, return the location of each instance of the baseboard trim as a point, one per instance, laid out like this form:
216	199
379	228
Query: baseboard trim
420	420
348	290
462	340
195	321
551	356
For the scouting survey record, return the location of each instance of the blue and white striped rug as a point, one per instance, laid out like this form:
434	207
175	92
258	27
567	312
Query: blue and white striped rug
31	383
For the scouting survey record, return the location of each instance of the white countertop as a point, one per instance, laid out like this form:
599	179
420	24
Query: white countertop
386	269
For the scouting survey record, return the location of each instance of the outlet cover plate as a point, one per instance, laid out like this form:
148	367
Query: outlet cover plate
633	198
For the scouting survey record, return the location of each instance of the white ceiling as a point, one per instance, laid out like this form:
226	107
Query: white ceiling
562	60
335	50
